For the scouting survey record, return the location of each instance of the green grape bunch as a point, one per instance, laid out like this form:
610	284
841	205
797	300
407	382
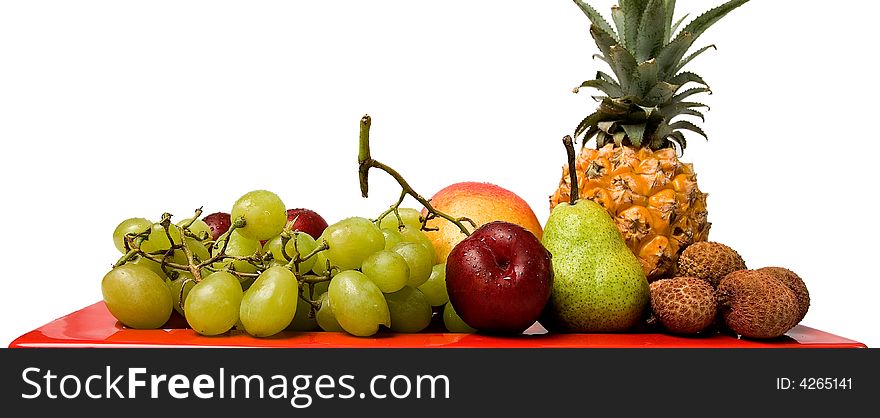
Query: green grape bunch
264	277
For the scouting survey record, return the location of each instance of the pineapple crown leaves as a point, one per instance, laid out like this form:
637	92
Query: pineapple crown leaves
647	53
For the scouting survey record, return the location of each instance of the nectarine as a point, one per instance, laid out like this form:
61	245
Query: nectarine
482	203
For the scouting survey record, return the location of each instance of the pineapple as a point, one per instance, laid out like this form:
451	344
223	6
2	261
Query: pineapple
634	172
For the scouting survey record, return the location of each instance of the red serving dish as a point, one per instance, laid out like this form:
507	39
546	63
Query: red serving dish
93	326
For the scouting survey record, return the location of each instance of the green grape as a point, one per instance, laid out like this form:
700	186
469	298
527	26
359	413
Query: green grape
299	242
264	214
301	320
238	246
200	253
410	218
325	317
387	269
321	288
410	310
351	241
320	267
419	260
129	226
158	239
392	237
199	228
150	264
453	322
435	288
358	304
136	296
174	286
212	306
416	236
269	305
274	246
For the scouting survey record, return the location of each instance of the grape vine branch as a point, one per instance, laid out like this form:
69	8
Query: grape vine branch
366	162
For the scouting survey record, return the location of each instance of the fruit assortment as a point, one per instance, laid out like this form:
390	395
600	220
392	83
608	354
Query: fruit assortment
625	247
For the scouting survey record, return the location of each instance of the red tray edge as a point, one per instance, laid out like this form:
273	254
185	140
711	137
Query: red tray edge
73	331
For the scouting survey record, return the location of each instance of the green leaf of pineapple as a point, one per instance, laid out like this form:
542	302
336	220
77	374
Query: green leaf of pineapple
676	26
687	77
619	137
585	124
618	58
678	138
635	133
648	75
669	57
591	132
620	22
604	40
692	112
652	30
691	57
683	124
601	85
670	11
660	93
688	93
596	18
706	20
672	110
603	76
632	13
658	139
608	112
624	66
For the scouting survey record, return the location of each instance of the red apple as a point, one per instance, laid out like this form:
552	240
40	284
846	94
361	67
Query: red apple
307	221
499	278
219	223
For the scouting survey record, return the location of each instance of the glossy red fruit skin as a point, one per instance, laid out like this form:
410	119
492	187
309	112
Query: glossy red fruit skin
499	278
219	223
307	221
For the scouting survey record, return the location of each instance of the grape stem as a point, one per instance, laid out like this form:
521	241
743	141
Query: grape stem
395	208
298	258
180	299
311	280
366	162
134	241
193	268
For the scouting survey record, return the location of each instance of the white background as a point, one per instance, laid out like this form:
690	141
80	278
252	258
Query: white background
116	109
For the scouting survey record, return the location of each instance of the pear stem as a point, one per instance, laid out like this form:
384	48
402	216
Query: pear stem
572	170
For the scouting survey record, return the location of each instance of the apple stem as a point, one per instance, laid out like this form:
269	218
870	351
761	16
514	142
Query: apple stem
572	170
366	162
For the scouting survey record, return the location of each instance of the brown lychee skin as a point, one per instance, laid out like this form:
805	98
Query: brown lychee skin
710	261
756	304
796	284
684	305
